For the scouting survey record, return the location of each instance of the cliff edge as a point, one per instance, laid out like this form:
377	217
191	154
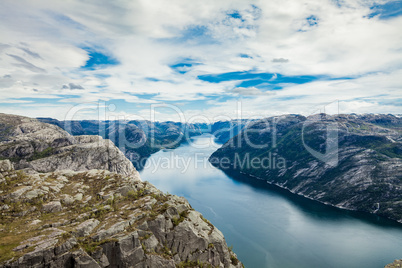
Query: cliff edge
42	147
78	202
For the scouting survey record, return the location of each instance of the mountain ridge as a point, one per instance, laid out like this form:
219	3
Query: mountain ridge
368	169
138	139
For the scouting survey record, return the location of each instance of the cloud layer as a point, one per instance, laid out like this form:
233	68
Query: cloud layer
206	57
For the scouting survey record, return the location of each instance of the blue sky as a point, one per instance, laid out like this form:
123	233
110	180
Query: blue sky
127	59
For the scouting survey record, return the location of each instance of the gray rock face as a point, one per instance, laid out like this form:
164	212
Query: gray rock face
33	194
138	139
52	207
138	226
366	174
46	148
395	264
86	227
6	165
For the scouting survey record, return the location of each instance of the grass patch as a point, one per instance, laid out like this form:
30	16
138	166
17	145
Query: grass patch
10	241
183	216
196	263
135	195
145	237
45	153
234	260
209	224
91	246
166	253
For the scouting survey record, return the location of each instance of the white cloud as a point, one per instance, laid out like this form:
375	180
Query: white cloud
41	49
250	91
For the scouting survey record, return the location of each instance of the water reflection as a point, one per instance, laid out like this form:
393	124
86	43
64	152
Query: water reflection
312	208
268	226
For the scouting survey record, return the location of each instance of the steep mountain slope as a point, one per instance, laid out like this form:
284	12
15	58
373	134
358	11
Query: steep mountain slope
29	143
225	130
99	218
348	161
78	202
137	139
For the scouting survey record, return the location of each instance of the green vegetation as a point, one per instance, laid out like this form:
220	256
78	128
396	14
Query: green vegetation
234	260
45	153
99	212
135	195
6	129
197	263
166	253
183	216
13	179
146	236
91	246
209	223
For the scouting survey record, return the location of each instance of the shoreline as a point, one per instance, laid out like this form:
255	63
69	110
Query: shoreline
398	222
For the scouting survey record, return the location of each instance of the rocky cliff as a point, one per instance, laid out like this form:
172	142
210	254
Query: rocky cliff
81	204
395	264
138	139
225	130
29	143
357	167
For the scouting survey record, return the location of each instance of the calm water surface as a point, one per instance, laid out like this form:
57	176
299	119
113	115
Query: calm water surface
268	226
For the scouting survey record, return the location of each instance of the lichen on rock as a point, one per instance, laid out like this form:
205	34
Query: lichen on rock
138	226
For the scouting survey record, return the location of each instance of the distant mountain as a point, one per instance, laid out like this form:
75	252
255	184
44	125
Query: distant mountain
137	139
225	130
348	161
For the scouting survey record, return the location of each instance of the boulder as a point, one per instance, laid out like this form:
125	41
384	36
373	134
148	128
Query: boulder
51	207
86	227
33	194
6	165
395	264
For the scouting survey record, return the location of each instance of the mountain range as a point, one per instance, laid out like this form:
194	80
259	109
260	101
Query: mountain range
349	161
138	139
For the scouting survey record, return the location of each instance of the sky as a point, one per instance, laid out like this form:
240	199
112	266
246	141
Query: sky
199	60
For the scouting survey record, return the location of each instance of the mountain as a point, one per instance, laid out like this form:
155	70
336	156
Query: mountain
29	143
348	161
138	139
225	130
76	201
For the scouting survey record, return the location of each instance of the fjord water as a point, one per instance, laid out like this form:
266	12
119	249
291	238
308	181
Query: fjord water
268	226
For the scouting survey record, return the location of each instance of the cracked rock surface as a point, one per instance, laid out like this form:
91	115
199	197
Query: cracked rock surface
118	222
29	143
